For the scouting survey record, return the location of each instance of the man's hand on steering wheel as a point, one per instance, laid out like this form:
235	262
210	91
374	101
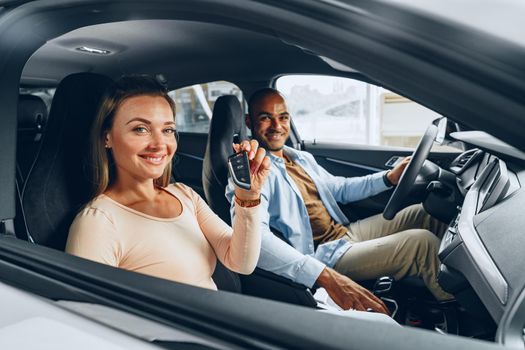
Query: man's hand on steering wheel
395	174
409	173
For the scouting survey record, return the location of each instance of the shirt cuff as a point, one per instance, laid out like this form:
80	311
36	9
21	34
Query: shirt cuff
308	273
386	180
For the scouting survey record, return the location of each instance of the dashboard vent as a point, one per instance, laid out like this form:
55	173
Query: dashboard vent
464	159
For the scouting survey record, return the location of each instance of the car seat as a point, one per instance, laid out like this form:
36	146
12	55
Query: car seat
32	118
228	120
58	183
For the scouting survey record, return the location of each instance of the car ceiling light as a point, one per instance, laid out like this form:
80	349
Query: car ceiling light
93	50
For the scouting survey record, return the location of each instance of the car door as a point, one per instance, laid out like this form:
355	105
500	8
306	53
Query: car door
355	128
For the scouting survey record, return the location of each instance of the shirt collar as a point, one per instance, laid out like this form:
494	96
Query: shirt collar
289	152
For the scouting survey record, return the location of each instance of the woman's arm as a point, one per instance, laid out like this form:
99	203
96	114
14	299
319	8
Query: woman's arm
92	236
238	248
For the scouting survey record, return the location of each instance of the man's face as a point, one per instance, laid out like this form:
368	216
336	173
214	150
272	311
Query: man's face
270	122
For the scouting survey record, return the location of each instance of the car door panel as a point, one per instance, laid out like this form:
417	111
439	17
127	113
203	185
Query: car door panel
360	160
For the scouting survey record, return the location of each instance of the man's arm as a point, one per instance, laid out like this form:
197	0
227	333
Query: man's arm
276	255
347	189
352	189
284	260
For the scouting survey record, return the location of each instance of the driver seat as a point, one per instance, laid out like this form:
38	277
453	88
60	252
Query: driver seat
228	120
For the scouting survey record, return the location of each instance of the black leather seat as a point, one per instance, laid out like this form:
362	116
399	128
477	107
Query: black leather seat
32	119
58	183
228	120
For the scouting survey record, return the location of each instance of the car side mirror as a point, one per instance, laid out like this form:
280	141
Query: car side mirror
445	128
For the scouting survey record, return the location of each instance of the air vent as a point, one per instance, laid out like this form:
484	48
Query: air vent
464	159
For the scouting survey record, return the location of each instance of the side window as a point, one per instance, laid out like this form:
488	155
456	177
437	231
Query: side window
46	94
195	103
343	110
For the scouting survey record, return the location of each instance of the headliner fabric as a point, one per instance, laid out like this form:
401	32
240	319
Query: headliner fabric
58	184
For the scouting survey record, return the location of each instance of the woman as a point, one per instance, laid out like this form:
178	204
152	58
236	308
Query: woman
136	219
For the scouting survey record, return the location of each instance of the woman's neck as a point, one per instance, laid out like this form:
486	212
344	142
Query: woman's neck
132	191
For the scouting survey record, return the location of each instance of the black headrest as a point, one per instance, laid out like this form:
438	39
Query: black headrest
32	112
227	120
58	184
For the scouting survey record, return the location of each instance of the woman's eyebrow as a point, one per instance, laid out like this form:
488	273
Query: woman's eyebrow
145	121
139	120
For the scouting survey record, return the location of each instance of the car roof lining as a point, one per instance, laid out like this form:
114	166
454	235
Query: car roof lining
182	51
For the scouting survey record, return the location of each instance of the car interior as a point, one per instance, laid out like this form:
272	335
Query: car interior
474	184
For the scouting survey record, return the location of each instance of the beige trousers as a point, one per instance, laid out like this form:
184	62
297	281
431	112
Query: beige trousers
404	246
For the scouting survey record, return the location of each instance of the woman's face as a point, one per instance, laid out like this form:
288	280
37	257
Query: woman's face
142	138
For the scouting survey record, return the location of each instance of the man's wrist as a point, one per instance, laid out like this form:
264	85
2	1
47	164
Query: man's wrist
386	180
324	278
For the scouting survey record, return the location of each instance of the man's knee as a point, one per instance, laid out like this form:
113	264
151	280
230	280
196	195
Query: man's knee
423	240
415	216
415	210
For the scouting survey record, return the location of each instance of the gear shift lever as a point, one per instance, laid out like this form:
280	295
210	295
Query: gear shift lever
383	286
382	289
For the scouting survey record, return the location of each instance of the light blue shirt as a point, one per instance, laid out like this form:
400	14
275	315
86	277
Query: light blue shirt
283	208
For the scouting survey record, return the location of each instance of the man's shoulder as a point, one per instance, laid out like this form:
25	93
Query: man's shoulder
304	156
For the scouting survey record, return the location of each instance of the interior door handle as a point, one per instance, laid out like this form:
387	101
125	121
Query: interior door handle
393	161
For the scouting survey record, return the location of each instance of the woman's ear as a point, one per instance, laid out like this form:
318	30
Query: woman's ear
107	140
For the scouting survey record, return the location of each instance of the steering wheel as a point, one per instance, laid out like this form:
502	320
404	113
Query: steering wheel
410	173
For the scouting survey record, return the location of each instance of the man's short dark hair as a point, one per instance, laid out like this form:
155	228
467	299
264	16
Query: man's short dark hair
259	95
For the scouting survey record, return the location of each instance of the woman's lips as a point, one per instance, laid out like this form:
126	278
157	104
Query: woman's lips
153	159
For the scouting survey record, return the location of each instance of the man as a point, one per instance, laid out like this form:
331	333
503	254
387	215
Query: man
300	199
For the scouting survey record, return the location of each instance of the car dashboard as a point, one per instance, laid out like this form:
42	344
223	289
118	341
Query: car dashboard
482	249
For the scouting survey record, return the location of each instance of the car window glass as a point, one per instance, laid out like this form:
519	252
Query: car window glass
46	94
195	103
343	110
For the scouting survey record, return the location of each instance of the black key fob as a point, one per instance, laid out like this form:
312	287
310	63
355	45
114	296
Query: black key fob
239	166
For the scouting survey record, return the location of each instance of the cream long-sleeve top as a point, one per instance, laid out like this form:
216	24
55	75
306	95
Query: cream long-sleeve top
184	248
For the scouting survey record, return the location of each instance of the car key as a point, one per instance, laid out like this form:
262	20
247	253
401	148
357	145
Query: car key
239	166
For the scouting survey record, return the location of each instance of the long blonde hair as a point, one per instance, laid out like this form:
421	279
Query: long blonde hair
103	167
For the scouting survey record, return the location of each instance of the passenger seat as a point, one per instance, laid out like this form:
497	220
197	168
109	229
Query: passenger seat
32	119
58	185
